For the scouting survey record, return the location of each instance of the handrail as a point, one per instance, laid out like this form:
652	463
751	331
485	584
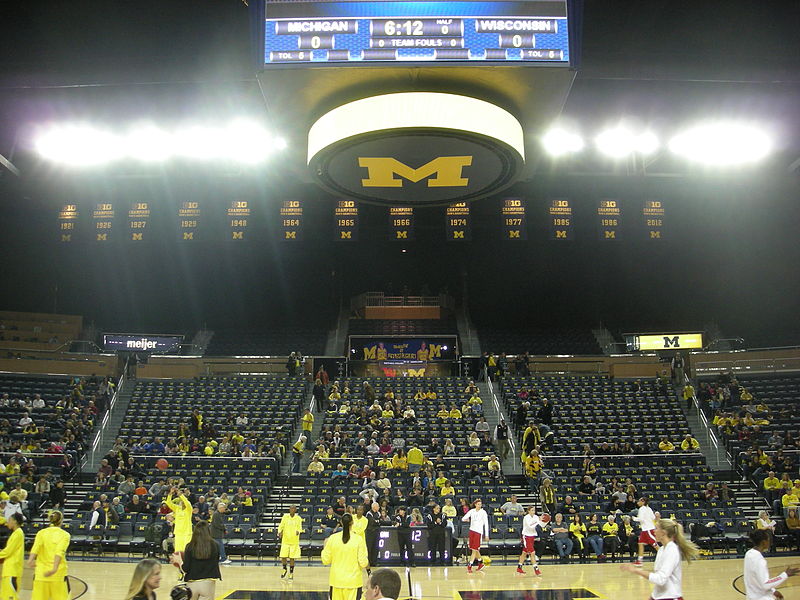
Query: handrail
490	385
788	363
704	420
100	437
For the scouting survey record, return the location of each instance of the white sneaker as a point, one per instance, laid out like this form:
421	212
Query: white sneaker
227	561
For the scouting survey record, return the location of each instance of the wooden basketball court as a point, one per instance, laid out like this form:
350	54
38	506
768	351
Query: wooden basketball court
705	579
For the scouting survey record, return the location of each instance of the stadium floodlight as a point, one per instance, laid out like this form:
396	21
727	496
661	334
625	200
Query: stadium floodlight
620	142
559	142
722	143
241	141
79	145
148	143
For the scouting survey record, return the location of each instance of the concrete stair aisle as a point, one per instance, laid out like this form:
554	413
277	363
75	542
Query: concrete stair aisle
490	391
747	497
711	446
110	430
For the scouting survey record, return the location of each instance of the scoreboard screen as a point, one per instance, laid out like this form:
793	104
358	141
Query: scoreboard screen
528	31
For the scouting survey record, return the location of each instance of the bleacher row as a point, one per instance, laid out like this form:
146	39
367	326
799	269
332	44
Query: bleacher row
271	404
448	391
594	409
538	341
402	327
279	341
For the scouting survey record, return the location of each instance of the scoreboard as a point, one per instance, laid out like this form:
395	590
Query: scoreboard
528	31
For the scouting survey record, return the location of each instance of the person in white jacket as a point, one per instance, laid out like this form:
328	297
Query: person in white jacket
478	531
666	575
758	584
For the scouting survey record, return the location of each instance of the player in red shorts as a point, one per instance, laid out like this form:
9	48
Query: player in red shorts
529	524
478	531
647	521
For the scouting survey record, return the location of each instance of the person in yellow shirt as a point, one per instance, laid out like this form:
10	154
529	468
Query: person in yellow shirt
315	467
308	421
415	459
12	557
400	461
443	413
182	510
440	479
665	445
430	394
690	444
385	463
454	412
360	523
289	530
578	531
49	558
347	556
475	399
420	395
772	487
790	499
447	489
610	535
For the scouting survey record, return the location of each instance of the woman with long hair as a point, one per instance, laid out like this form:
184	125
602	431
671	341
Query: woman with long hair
201	563
145	581
347	556
666	576
49	556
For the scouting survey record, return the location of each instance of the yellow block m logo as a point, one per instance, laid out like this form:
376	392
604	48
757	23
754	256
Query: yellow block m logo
416	372
66	237
610	235
514	233
448	171
290	235
188	235
237	235
655	235
346	235
402	235
560	233
136	237
458	235
102	237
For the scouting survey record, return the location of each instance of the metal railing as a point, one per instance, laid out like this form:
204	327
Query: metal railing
100	437
496	403
718	447
788	363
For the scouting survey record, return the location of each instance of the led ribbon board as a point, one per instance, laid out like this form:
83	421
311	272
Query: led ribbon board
416	149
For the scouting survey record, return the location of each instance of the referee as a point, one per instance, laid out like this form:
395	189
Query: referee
347	555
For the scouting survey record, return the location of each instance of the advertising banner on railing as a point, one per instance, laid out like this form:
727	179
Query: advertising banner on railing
138	342
403	348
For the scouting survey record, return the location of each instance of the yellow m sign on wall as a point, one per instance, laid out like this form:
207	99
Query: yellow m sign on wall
448	171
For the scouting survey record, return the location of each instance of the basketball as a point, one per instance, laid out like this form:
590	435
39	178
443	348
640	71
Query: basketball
545	518
162	464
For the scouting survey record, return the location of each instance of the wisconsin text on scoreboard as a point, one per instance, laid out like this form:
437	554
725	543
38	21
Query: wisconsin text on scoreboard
531	31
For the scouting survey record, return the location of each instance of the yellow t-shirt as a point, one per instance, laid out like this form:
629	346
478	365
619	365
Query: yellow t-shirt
449	511
290	529
415	456
308	422
346	560
772	483
455	413
789	500
666	446
447	491
610	529
14	554
359	525
443	414
399	462
49	543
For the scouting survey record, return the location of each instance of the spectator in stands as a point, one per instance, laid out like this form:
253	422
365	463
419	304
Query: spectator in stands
586	488
665	445
545	413
500	437
512	508
449	447
690	444
547	496
710	494
772	487
473	441
127	487
136	505
788	500
793	525
297	453
561	539
568	507
58	495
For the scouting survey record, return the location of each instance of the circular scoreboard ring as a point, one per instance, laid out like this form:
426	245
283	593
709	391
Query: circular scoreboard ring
416	148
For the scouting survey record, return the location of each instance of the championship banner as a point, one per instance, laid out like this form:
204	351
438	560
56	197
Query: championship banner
609	219
653	213
238	218
401	222
559	215
291	220
138	221
459	225
68	222
189	220
346	216
103	219
514	225
422	349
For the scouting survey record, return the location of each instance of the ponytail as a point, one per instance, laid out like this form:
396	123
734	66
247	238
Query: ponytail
674	531
347	522
56	518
